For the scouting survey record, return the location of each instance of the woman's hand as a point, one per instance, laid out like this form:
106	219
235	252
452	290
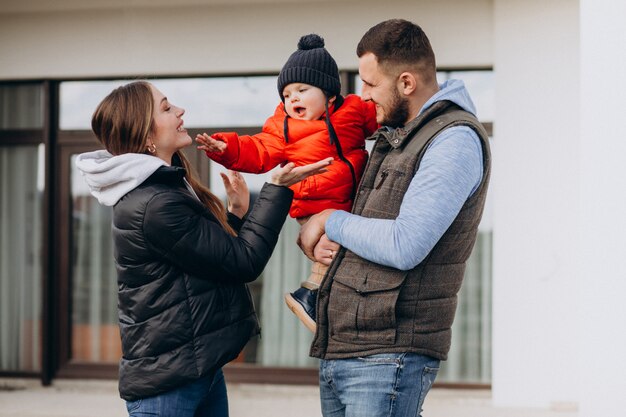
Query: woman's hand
290	174
237	192
325	250
210	144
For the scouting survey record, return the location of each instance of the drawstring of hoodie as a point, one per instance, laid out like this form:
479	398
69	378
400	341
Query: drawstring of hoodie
335	140
286	128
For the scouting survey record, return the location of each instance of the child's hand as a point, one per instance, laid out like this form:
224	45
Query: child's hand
210	144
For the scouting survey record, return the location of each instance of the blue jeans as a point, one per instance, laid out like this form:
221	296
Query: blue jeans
388	384
205	397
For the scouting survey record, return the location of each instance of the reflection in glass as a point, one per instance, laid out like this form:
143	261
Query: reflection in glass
21	242
469	359
208	102
21	106
95	332
79	99
286	341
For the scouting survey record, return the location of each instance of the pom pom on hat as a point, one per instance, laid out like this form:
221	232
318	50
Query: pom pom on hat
310	64
311	41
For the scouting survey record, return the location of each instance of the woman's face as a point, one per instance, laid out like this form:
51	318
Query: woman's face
168	134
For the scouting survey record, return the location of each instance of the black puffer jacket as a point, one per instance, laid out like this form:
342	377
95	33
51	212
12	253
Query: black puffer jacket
184	308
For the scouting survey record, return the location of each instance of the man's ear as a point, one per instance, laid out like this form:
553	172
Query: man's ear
407	83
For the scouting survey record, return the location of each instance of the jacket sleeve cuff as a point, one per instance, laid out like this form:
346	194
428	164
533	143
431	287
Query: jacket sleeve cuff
271	206
234	221
230	156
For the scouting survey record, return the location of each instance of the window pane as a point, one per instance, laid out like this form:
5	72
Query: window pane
240	102
21	106
21	238
78	101
358	84
469	359
95	332
286	341
227	101
254	181
208	102
480	85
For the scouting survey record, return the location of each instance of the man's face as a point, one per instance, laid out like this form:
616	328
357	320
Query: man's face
392	109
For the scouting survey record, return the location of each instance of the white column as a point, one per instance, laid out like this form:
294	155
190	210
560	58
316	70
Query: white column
535	186
602	332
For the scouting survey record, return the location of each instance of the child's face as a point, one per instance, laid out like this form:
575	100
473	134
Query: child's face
303	101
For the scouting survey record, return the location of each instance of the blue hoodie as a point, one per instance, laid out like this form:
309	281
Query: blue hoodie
450	172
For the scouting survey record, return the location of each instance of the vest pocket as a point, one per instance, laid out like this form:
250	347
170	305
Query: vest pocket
362	304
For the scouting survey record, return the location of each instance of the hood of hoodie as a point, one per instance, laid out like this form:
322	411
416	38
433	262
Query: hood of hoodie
111	177
454	91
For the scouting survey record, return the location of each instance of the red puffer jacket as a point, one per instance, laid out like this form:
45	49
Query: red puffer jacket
307	142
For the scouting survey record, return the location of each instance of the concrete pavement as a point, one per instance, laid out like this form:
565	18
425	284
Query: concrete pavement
90	398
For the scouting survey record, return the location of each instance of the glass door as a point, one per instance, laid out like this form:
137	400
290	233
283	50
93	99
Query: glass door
94	330
89	344
21	246
22	226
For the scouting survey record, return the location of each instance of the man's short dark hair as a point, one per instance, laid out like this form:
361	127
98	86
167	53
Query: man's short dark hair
399	45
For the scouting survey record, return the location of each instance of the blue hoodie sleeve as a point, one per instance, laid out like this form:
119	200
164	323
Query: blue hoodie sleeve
450	171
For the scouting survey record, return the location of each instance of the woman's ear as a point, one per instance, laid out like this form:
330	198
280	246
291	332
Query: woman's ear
151	147
407	83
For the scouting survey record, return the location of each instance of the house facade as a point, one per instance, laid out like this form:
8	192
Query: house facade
541	310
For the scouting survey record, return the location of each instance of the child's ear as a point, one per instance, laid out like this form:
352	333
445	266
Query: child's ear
332	99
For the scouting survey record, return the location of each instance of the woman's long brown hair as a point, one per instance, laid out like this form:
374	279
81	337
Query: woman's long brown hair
122	123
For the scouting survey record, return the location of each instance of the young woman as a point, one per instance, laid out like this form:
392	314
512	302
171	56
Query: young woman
183	261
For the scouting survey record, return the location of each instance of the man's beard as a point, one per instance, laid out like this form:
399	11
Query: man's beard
397	113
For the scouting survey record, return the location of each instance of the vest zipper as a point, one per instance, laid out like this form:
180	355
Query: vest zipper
383	175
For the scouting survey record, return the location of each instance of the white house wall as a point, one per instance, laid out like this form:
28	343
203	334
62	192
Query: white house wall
536	210
602	327
234	38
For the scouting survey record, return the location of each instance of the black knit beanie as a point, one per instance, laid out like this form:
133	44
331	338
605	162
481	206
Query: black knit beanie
310	64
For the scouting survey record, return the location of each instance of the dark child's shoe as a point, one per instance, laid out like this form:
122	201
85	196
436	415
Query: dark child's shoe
302	302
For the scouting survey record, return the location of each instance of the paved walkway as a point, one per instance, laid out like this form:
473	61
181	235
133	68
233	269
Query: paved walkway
81	398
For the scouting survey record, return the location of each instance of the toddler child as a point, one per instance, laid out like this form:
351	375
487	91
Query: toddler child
312	122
